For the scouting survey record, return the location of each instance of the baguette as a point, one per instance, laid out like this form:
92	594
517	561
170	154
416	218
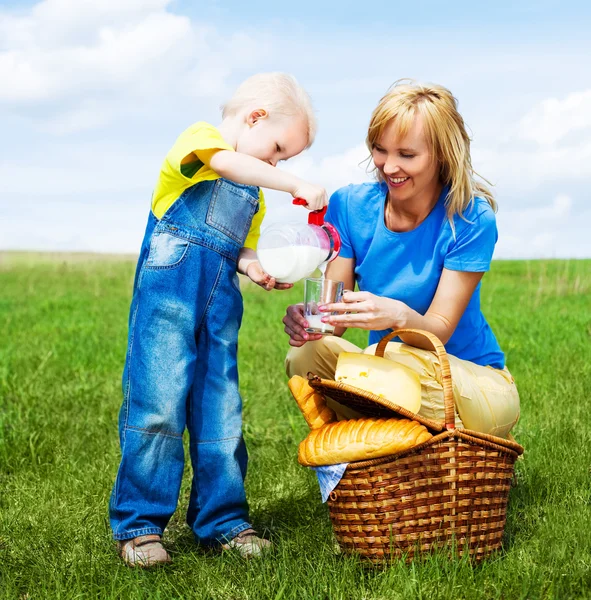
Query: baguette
360	439
311	403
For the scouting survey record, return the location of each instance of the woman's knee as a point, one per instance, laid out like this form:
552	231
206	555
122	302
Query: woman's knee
307	358
318	357
293	361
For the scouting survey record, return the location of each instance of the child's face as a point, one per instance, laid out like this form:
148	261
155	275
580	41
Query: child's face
272	139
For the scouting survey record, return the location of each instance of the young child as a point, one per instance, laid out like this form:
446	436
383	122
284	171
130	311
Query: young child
181	364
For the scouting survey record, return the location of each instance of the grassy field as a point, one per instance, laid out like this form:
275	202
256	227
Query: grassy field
63	322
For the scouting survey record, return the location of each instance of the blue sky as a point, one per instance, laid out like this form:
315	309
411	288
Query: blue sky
94	93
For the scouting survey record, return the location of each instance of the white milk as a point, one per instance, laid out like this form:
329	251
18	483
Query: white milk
314	321
289	264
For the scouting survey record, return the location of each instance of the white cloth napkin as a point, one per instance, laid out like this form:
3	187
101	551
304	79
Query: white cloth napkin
329	477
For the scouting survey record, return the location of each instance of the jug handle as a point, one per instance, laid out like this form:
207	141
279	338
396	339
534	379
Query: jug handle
316	217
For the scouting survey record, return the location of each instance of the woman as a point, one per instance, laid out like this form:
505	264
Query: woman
417	243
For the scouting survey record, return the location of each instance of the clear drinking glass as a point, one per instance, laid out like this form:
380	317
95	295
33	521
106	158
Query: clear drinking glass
318	292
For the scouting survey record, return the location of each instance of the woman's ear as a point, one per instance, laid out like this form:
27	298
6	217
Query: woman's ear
256	115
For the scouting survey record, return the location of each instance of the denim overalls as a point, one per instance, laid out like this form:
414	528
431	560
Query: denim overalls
181	369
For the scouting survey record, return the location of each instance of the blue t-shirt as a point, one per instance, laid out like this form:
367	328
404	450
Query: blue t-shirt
407	266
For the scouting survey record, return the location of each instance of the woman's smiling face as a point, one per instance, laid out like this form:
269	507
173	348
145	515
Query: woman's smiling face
406	164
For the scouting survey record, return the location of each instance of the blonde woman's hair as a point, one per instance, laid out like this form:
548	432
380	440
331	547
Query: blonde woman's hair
276	93
446	136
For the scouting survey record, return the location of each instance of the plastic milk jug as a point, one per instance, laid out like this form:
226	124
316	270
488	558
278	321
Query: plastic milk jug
293	251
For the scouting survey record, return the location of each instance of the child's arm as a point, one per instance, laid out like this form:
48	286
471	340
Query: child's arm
248	170
249	265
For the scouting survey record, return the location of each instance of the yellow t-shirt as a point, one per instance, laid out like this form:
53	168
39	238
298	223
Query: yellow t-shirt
182	169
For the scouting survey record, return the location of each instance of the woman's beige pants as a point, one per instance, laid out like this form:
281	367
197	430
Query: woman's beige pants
486	399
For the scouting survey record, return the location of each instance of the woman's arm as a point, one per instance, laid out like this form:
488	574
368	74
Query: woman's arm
451	298
368	311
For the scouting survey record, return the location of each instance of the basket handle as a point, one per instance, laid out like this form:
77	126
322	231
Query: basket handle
448	394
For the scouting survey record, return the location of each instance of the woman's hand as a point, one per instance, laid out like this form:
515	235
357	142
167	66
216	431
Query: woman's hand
295	326
256	274
364	310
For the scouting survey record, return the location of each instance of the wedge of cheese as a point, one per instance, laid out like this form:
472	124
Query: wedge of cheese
382	377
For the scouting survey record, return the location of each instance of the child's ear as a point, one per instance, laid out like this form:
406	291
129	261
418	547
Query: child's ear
256	115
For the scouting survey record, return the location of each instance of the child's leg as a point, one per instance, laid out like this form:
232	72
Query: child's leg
174	283
185	281
218	510
151	424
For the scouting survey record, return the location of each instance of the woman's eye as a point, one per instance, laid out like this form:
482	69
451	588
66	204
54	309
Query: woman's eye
378	149
407	155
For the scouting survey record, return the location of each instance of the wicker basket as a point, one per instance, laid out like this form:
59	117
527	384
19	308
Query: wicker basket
450	492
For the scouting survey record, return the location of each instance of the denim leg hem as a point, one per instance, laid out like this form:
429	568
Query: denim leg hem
128	535
234	532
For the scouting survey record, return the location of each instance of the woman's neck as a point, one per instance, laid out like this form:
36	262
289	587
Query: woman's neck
408	214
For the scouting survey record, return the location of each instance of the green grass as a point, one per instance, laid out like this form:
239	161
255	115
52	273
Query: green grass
63	324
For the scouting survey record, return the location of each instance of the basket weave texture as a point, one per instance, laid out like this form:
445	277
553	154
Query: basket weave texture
450	492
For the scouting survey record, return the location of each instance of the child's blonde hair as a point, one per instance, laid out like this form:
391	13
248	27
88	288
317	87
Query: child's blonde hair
446	136
276	93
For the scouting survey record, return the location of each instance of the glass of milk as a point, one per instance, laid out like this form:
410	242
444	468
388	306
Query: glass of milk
319	291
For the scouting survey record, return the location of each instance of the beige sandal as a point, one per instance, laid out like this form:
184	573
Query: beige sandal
143	551
248	544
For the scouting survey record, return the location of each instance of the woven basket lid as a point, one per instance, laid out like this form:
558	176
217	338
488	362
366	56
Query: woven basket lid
366	403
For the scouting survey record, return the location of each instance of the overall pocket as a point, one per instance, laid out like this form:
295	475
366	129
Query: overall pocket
166	251
231	209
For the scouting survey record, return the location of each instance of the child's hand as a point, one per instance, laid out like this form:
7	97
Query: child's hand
255	273
314	195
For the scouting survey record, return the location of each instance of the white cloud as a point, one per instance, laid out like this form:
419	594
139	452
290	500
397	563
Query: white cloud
534	232
46	57
90	114
548	146
54	24
83	169
553	119
74	65
101	88
519	170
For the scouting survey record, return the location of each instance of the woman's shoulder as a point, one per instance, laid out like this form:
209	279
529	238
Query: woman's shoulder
357	193
358	205
478	213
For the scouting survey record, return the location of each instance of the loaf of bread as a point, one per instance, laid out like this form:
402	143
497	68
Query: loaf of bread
360	439
311	403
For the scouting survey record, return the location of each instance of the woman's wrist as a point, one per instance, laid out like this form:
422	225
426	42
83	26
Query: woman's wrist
402	316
